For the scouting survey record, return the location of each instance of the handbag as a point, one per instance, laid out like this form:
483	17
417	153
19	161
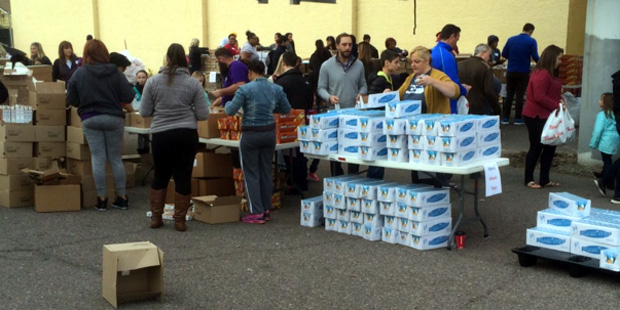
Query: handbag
559	128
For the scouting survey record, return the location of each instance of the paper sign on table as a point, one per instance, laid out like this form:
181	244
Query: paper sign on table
493	179
212	77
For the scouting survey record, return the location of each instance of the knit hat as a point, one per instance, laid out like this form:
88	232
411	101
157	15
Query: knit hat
492	38
119	60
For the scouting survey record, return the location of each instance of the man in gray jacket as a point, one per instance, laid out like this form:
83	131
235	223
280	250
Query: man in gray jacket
341	82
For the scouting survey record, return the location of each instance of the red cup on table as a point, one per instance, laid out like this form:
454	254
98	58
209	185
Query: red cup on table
459	238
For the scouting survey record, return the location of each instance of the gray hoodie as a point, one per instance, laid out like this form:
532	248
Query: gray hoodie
178	105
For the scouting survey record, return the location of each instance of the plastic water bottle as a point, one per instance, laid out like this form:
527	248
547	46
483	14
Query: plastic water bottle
28	114
12	115
19	114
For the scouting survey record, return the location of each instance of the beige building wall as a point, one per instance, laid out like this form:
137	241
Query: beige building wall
149	26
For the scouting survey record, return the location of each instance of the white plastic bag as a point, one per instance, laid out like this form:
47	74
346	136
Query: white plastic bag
559	128
462	106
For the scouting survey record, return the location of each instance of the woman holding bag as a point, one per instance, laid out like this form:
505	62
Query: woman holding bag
543	96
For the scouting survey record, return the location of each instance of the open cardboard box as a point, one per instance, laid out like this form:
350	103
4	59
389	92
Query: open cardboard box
132	272
214	210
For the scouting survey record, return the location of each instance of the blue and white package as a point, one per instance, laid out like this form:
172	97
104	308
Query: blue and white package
487	122
394	126
386	192
339	201
312	205
334	184
404	238
356	217
324	148
403	224
459	158
415	142
351	150
488	137
554	219
331	225
431	157
421	214
386	208
609	259
431	126
303	133
416	156
328	198
453	144
400	209
401	194
342	186
370	190
372	233
595	231
569	204
304	146
549	239
324	120
357	229
427	197
432	143
380	100
348	137
389	235
344	227
372	139
368	153
370	206
457	126
324	135
343	215
405	108
431	227
361	188
399	155
353	204
373	219
397	141
390	221
370	124
329	212
414	126
429	242
349	121
490	151
587	248
311	220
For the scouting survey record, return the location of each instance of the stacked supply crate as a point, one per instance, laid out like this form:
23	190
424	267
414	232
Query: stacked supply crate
312	212
16	141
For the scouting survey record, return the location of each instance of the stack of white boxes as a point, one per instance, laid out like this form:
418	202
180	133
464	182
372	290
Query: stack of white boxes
312	212
360	135
396	114
416	216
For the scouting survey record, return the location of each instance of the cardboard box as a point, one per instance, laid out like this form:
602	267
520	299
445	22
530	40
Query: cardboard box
76	135
588	248
11	81
220	187
208	128
41	72
214	209
11	149
17	132
14	183
136	120
74	118
50	117
569	204
17	199
550	239
13	166
212	165
50	149
48	96
130	143
50	133
78	151
80	167
44	163
131	272
57	198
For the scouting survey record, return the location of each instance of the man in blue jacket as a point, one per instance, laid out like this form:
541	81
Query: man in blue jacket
519	50
443	59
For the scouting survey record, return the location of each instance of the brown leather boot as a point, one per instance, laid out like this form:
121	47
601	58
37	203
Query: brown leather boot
181	205
158	201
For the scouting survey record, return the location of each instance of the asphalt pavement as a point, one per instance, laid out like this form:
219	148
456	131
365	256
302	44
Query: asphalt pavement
54	260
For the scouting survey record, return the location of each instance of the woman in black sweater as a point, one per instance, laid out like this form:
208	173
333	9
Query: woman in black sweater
66	64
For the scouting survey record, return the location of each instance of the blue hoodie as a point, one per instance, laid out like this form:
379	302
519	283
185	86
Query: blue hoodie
443	60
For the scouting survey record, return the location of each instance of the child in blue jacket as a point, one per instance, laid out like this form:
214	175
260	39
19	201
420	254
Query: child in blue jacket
605	138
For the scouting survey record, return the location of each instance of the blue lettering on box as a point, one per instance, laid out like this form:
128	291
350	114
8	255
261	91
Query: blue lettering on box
382	139
489	123
550	240
593	249
467	141
438	240
387	98
436	198
334	134
595	233
559	222
467	127
437	212
491	137
469	155
351	135
352	122
560	204
412	108
383	152
351	149
439	227
490	151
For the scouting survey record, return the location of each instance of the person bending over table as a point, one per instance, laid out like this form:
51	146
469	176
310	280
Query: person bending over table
176	102
433	88
258	99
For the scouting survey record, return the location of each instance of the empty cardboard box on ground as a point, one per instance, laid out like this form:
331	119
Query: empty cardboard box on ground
215	210
132	272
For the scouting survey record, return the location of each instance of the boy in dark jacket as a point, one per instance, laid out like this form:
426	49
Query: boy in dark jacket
299	94
381	81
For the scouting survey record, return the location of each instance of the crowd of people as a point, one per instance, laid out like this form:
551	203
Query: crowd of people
341	71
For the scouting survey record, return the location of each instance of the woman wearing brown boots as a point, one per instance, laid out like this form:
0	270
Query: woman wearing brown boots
176	102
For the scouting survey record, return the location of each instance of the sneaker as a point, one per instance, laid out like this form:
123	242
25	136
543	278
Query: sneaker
102	205
615	201
601	187
505	121
519	122
267	215
313	177
120	203
254	219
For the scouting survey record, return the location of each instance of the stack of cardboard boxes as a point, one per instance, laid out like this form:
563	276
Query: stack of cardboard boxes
49	101
570	72
16	140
